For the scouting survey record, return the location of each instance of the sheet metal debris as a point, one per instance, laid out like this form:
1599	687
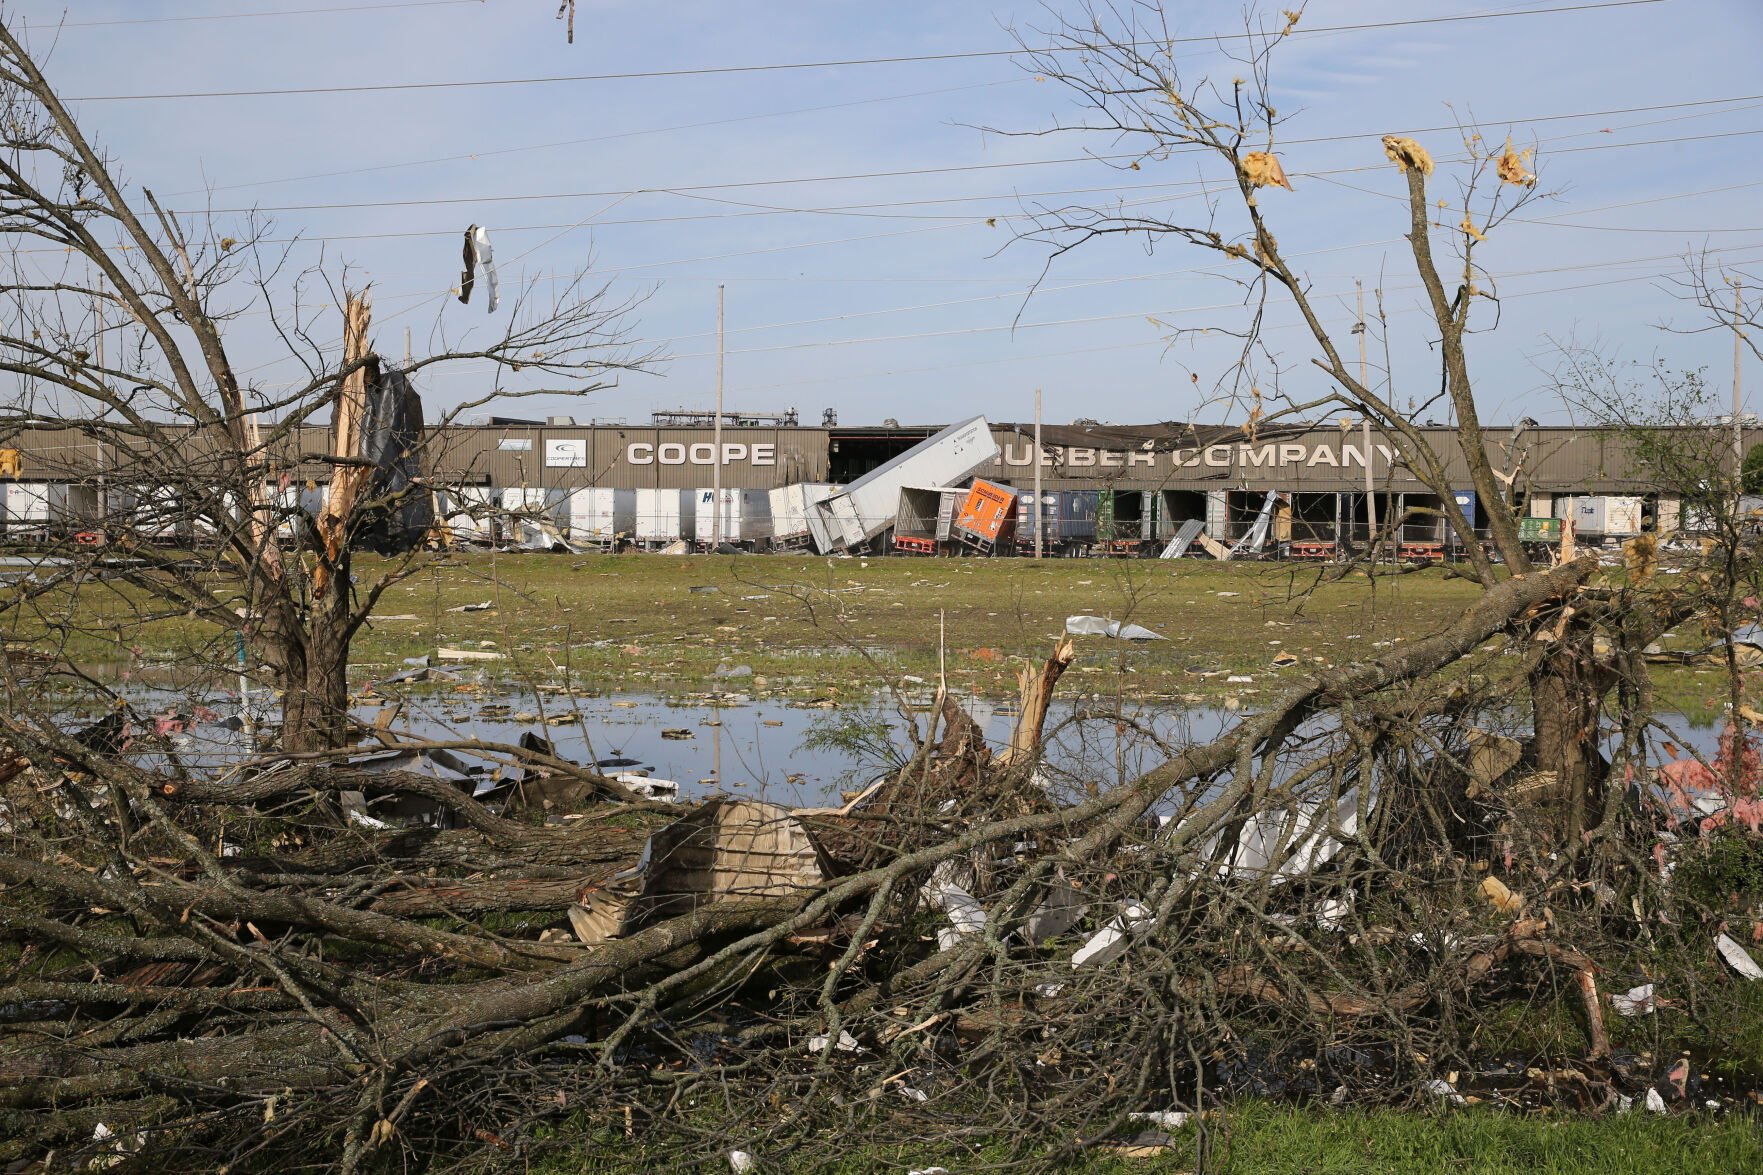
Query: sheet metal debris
1100	626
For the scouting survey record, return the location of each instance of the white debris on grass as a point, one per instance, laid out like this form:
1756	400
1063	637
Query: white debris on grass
1112	941
1738	957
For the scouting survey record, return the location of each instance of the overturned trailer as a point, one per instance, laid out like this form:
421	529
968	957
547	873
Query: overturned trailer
789	511
867	507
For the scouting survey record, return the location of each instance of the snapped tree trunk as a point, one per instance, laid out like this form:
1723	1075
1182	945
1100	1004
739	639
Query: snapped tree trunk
1566	691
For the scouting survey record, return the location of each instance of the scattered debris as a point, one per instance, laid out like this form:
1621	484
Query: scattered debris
480	606
846	1043
1445	1091
1638	1001
664	790
677	733
1113	939
1502	898
1167	1119
1737	956
1098	626
727	850
470	655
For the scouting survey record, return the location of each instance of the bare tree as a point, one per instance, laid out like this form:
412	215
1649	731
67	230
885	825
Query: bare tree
1730	298
1121	59
115	322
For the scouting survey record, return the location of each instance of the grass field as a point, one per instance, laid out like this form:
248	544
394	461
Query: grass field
812	625
1261	1139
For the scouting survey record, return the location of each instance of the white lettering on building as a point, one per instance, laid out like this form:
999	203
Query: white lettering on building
671	453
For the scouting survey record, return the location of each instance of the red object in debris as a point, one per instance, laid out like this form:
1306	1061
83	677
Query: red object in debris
89	538
1687	781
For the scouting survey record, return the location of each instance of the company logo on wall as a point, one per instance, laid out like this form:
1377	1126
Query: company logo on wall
566	454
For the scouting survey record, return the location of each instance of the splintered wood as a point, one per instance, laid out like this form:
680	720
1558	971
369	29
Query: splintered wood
346	419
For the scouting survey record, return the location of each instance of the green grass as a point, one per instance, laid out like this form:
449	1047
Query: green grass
1263	1139
633	623
835	627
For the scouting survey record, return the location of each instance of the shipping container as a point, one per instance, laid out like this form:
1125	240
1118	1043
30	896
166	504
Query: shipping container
986	515
28	505
949	500
1027	507
1077	516
1423	522
1125	517
293	504
664	516
789	510
1170	508
1539	530
917	520
468	513
1608	516
598	514
866	507
536	517
745	514
1466	502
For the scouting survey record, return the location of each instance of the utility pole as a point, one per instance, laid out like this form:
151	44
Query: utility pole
1738	427
1365	423
716	433
1039	512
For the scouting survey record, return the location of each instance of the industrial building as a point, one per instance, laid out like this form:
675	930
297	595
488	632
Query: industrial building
1104	489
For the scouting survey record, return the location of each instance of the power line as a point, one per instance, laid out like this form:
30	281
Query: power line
842	63
346	8
922	171
687	126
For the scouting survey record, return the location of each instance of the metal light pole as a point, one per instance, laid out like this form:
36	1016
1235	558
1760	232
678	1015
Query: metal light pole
1365	421
716	434
1039	512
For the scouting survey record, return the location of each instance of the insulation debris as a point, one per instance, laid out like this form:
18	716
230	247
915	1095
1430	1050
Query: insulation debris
1263	170
1405	153
1514	166
1501	897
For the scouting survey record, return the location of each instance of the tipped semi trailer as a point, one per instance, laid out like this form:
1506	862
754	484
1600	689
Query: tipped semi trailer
868	506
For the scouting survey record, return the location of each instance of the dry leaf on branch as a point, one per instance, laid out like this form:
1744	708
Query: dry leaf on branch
1514	166
1406	153
1264	171
1255	414
1468	226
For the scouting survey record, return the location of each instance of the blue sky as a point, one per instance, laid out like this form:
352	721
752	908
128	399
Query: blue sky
891	296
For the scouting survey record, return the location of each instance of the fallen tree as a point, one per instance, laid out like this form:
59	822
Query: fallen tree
355	978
